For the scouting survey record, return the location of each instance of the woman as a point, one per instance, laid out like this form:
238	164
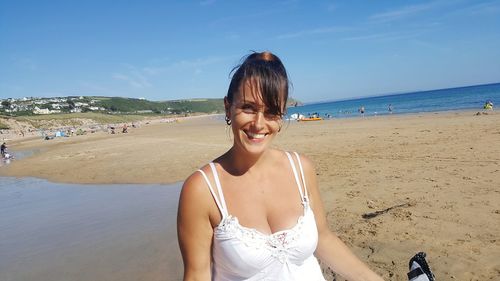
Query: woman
255	212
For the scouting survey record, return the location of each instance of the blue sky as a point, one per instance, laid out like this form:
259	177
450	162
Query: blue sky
164	50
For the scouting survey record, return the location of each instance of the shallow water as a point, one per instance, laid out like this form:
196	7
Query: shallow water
17	155
51	231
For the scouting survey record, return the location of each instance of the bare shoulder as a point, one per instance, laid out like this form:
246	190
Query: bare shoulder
195	179
195	192
307	165
196	205
309	174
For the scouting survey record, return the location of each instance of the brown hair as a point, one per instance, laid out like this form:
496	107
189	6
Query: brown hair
270	76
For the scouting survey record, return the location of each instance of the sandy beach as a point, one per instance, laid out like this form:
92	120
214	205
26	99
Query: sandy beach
440	172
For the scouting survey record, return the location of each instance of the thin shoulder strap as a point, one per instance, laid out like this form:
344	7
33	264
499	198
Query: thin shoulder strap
219	188
303	197
221	204
306	196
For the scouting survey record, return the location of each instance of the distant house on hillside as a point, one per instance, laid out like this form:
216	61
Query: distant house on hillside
44	111
41	110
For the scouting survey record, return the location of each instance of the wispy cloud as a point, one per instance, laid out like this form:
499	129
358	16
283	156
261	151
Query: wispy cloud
131	80
196	66
481	9
382	36
403	12
207	2
133	76
314	31
430	45
271	8
233	19
155	74
289	3
199	62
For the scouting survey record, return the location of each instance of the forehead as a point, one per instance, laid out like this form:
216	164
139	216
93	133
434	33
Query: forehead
249	92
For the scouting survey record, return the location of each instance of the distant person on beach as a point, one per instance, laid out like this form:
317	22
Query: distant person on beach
389	108
255	212
362	110
488	105
3	148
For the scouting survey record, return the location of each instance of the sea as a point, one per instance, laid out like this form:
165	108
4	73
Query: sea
462	98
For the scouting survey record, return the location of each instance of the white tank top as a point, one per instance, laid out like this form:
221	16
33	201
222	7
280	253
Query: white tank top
242	253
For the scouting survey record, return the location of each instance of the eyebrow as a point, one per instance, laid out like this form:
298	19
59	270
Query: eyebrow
249	102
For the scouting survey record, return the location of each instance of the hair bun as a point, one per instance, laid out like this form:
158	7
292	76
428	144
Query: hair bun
266	56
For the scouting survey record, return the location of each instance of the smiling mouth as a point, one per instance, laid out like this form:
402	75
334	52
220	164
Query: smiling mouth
254	136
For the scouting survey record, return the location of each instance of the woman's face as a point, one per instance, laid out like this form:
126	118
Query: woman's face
254	127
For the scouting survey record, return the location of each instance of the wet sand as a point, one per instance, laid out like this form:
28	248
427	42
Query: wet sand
443	168
57	232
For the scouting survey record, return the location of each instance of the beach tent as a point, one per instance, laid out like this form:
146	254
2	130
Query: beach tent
59	134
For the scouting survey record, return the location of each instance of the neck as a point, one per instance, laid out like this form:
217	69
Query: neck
240	163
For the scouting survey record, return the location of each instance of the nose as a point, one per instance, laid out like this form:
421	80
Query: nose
259	120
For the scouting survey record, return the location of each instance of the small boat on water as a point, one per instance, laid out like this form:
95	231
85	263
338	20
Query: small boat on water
300	117
310	119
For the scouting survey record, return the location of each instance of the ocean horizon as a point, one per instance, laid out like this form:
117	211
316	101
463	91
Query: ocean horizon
459	98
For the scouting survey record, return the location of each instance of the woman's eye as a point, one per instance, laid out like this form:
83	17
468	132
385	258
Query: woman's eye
271	115
248	109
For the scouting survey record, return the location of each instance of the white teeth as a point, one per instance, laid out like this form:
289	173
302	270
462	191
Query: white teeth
256	136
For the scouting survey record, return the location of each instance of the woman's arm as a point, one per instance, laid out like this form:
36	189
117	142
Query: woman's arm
331	250
194	229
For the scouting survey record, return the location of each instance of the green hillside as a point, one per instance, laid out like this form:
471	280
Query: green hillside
129	105
109	105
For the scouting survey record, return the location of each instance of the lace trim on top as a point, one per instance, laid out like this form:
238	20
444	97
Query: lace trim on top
277	243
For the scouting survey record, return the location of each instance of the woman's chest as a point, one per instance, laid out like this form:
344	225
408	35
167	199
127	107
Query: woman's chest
268	208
